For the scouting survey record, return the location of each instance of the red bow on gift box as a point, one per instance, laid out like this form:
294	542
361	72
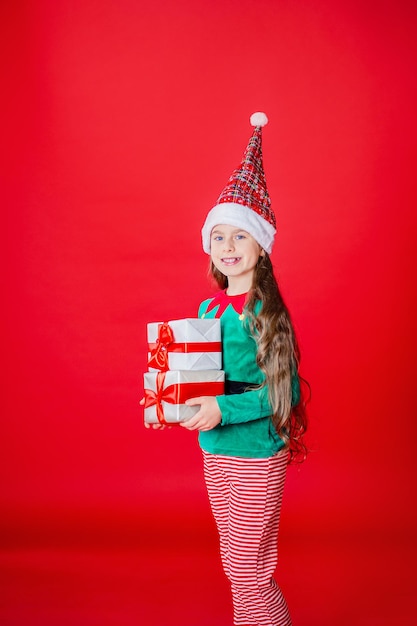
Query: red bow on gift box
178	393
159	351
165	344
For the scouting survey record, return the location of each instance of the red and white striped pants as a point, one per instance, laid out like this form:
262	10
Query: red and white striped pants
245	497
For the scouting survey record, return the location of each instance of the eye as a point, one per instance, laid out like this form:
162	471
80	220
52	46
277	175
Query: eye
240	237
217	238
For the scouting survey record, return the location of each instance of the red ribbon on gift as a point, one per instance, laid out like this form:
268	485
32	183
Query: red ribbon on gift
159	354
178	393
165	344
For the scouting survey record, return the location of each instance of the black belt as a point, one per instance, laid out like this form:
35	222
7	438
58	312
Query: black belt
232	387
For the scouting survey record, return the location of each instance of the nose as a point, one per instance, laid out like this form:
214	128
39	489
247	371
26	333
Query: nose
228	244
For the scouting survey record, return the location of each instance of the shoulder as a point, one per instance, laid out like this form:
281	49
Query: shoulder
205	305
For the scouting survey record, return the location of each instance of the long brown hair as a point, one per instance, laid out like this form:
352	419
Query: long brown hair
278	354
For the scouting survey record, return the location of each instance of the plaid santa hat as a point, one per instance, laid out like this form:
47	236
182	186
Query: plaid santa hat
245	201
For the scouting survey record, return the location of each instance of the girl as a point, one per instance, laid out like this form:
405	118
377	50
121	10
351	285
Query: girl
249	435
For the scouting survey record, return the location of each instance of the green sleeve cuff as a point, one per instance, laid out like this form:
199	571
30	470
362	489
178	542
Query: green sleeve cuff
244	407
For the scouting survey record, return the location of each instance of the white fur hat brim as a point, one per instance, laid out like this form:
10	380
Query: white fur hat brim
242	217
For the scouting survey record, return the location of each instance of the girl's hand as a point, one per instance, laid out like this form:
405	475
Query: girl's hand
207	417
157	426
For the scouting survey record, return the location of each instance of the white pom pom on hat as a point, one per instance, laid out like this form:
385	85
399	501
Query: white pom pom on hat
258	119
245	201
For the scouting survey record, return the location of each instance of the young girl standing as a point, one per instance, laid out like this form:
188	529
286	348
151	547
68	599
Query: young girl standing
249	435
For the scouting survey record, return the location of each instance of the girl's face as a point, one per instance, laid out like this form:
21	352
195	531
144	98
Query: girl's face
235	253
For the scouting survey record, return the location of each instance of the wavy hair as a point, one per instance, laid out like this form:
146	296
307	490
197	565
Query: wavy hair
278	354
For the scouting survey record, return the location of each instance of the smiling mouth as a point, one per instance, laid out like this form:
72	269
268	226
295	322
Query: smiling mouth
231	260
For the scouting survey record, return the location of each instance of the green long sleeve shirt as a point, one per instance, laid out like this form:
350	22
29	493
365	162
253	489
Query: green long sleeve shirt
246	429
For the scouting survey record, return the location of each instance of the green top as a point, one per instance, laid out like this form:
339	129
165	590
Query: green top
246	429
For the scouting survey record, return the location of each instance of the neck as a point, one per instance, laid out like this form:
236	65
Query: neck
238	285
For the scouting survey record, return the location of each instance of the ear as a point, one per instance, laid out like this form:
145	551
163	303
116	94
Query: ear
262	252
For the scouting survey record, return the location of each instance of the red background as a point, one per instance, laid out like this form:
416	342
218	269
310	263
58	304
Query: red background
122	122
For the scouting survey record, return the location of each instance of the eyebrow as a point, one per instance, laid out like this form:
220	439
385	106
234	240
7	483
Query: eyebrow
221	232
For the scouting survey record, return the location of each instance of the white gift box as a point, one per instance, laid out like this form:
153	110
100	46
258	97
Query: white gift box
185	344
166	393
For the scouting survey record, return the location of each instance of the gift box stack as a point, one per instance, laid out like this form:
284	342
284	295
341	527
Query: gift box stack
184	362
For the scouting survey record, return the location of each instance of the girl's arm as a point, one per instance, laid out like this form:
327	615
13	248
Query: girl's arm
234	409
251	405
226	410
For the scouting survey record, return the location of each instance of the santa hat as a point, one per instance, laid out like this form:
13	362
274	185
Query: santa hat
245	201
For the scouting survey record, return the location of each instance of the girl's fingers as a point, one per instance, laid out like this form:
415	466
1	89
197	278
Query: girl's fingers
193	401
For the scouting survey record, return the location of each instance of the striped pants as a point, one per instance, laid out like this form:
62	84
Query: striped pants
245	497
